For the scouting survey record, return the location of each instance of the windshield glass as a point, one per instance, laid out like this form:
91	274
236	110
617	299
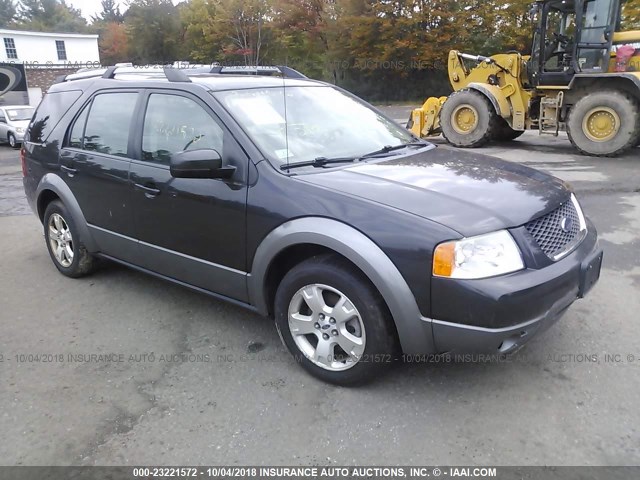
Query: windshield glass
321	122
20	113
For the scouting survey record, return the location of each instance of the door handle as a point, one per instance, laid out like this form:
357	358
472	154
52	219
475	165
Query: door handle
149	192
70	171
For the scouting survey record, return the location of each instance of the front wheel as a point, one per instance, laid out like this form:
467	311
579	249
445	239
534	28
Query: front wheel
604	124
11	138
468	119
334	322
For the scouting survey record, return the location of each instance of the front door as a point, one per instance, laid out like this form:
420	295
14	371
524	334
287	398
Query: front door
192	230
595	35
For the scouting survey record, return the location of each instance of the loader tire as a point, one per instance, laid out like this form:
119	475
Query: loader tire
604	124
504	133
468	119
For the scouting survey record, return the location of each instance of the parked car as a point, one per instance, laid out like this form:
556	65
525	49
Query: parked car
14	120
296	200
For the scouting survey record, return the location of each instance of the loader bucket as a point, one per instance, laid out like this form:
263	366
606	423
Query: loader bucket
425	121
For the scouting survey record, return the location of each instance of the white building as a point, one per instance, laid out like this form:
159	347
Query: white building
52	49
46	56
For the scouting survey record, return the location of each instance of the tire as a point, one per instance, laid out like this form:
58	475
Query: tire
504	132
363	325
468	105
11	139
70	256
617	108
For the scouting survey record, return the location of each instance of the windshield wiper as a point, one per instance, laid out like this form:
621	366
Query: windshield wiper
389	148
322	161
319	162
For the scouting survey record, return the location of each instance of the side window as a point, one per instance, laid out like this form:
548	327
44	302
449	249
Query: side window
51	109
3	119
109	122
174	124
76	137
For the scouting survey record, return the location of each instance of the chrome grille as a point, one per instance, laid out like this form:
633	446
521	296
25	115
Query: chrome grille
557	232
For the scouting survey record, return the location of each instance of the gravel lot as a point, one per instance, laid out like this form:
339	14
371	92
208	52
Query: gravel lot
220	388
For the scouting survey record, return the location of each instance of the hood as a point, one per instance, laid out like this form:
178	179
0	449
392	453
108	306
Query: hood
468	192
20	123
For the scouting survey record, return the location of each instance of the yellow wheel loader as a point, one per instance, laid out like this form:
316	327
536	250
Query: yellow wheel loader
583	77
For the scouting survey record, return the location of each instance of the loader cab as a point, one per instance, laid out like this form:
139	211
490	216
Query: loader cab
572	36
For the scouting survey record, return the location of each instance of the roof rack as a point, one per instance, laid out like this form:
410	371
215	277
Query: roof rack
284	71
174	74
170	73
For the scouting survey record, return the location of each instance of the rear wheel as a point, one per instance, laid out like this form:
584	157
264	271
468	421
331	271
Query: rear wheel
468	119
334	322
68	253
604	124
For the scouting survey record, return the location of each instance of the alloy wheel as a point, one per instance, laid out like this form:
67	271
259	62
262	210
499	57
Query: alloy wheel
60	240
326	327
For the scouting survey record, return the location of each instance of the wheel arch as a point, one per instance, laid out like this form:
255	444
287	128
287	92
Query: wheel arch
581	85
495	96
311	236
52	187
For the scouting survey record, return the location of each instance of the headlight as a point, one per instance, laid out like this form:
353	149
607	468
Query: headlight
478	257
19	129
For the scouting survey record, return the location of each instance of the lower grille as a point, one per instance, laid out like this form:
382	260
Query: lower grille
556	233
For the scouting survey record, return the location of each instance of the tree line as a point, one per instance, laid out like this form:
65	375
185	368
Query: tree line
380	49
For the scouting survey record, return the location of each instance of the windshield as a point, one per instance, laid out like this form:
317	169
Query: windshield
321	122
15	114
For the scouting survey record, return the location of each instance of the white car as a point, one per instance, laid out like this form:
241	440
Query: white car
14	120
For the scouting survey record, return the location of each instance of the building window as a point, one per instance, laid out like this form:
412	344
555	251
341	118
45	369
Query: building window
10	47
62	51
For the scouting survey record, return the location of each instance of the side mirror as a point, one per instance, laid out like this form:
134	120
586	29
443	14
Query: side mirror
205	163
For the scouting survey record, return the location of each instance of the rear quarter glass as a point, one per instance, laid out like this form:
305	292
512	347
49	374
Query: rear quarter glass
48	114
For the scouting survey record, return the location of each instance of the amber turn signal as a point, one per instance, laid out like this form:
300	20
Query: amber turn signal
443	259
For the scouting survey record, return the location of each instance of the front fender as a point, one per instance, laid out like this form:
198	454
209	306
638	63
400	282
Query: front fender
414	330
495	96
52	182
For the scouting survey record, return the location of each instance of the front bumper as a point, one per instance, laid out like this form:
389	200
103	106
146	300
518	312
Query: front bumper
498	315
19	136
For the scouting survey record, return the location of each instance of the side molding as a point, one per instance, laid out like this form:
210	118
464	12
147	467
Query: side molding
415	332
53	182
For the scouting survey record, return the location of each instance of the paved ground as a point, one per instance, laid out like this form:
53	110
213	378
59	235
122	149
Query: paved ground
220	389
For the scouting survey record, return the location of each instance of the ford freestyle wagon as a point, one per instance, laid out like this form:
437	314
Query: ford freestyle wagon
297	200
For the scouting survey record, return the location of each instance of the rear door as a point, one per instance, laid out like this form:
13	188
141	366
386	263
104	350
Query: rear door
95	163
192	230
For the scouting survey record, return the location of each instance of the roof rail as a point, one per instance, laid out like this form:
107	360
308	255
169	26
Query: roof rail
170	73
282	70
173	74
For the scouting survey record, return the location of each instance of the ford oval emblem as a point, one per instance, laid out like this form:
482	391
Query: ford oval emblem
565	224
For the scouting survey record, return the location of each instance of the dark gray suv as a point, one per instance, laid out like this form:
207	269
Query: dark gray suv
296	200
